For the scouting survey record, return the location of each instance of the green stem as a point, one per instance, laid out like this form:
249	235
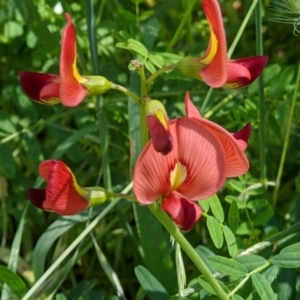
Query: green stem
143	125
127	92
257	270
4	222
103	130
261	102
150	80
124	196
187	248
218	106
242	28
184	19
286	139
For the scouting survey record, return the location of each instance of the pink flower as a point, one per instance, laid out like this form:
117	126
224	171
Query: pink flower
203	155
213	67
69	87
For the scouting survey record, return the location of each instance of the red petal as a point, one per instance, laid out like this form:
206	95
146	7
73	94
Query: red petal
184	212
242	136
32	83
215	73
161	137
37	197
190	109
49	94
151	176
235	160
44	168
63	194
242	72
201	152
71	91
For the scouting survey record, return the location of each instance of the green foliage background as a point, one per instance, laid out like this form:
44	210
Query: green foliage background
29	133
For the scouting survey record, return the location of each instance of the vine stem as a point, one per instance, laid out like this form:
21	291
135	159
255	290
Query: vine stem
151	78
286	140
127	92
261	101
187	248
265	265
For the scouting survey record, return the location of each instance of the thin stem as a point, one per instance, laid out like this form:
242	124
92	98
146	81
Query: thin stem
144	91
261	102
286	139
103	130
4	222
167	68
180	27
143	125
219	105
257	270
127	92
241	29
187	248
124	196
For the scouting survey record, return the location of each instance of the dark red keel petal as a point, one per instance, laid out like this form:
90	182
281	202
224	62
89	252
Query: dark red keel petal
242	136
37	197
184	212
243	71
32	83
160	136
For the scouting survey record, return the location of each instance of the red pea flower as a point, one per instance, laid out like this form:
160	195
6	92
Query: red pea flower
62	194
69	87
203	155
213	67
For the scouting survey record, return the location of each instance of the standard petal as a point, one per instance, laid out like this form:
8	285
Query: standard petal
37	197
242	136
63	194
236	162
152	171
71	91
215	57
242	72
202	154
190	109
32	83
184	212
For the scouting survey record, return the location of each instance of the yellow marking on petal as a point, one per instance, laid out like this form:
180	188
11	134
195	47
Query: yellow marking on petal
161	118
178	175
213	48
77	187
76	74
